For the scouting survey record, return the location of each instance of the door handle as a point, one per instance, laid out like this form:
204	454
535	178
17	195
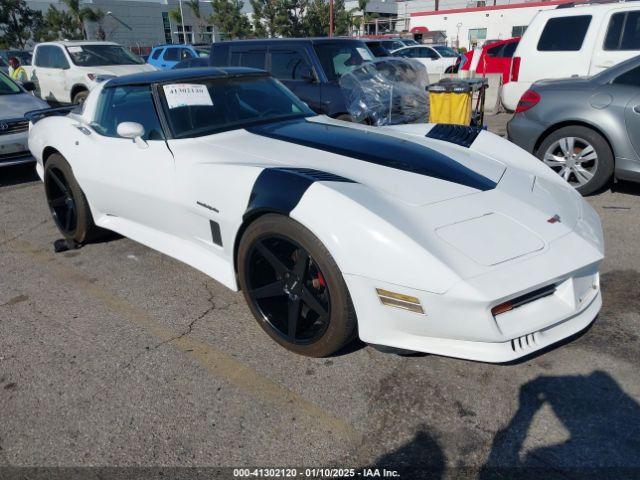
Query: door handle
636	109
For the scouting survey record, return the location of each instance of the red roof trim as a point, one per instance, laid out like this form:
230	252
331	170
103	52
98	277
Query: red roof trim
493	7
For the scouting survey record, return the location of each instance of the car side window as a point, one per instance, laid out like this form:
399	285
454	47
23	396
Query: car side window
57	58
406	53
289	64
185	53
127	104
252	57
630	78
156	54
623	32
494	51
564	34
43	56
509	50
171	54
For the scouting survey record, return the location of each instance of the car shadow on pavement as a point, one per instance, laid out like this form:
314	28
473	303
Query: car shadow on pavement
602	423
18	174
628	188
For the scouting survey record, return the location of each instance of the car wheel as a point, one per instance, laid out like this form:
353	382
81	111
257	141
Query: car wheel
579	155
67	203
294	287
80	97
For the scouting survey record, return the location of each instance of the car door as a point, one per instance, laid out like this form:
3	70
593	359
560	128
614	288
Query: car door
50	73
292	66
154	58
124	178
625	90
619	40
170	57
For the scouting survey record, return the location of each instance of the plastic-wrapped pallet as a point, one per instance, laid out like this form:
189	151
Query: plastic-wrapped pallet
387	91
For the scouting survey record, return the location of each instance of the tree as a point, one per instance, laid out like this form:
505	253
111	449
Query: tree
265	14
229	20
176	16
290	17
58	25
194	6
18	23
362	6
81	15
316	21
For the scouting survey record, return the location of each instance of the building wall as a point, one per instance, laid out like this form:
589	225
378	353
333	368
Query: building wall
464	27
144	17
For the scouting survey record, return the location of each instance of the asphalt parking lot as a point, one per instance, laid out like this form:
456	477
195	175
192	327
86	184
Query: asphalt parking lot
115	355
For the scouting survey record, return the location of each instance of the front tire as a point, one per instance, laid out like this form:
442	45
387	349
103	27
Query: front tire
580	155
294	287
67	203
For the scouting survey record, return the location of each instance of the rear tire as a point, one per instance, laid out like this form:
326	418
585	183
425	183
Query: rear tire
577	153
67	203
294	288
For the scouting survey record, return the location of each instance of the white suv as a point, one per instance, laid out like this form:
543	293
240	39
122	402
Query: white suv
64	72
578	40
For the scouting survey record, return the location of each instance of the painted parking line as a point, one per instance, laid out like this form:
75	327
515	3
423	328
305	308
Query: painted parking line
223	366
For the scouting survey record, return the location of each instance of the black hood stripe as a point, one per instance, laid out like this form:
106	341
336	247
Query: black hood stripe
458	134
376	148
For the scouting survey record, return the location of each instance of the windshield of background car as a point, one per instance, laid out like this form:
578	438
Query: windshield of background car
202	52
8	86
340	58
447	52
209	105
99	55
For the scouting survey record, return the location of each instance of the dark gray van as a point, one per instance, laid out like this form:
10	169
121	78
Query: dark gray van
309	67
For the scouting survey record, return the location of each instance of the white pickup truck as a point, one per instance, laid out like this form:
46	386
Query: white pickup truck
65	71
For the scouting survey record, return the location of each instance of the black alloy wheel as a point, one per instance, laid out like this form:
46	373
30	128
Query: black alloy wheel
61	201
294	288
288	289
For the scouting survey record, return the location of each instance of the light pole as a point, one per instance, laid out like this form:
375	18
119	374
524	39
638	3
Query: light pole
184	36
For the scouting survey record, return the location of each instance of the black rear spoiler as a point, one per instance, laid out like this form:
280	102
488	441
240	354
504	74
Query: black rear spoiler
34	115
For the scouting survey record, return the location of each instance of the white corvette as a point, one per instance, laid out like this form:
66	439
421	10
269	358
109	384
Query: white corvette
431	238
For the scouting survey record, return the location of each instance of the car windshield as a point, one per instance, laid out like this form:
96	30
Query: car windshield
8	86
409	43
99	55
340	58
445	51
213	105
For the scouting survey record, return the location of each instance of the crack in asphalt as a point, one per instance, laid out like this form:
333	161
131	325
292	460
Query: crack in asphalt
189	329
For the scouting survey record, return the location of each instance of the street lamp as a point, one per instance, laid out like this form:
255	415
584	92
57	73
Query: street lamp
184	36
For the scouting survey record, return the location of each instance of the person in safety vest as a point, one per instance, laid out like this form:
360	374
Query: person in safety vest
17	71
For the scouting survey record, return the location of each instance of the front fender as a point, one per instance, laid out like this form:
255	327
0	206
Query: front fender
367	243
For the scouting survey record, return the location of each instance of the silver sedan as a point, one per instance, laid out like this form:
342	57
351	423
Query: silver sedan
586	129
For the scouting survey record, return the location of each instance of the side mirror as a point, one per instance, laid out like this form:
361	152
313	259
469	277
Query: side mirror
132	130
29	86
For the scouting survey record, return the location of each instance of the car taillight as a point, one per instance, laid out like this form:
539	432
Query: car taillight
515	68
528	100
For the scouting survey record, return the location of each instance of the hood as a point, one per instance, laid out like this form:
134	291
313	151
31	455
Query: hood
119	70
15	106
412	170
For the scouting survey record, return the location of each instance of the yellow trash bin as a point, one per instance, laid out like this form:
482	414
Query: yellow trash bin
450	102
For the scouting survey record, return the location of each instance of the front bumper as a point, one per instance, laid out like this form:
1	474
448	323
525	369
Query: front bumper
14	149
459	322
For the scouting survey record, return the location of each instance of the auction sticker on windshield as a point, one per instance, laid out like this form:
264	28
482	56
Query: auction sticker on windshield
74	49
186	95
364	53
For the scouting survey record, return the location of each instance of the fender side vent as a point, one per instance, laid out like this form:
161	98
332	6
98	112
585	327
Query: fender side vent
317	175
458	134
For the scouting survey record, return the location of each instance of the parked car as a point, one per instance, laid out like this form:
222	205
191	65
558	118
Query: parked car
384	47
578	40
309	67
65	71
437	58
22	55
165	57
493	58
192	63
227	171
15	101
586	129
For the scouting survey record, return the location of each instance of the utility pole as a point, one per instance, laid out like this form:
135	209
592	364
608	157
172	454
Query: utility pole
331	18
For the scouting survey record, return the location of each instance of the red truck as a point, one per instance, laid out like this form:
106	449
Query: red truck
494	58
